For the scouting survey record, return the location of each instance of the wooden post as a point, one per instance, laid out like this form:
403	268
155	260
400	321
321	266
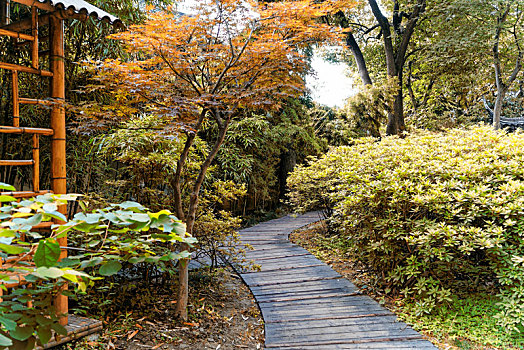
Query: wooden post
34	28
16	102
36	163
58	142
4	12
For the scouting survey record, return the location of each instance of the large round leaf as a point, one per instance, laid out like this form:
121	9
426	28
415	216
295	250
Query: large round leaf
110	268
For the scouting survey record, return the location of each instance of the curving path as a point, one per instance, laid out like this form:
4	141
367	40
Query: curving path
307	305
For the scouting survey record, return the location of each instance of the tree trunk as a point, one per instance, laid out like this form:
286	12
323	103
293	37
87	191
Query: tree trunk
396	123
288	161
359	59
497	109
176	181
183	274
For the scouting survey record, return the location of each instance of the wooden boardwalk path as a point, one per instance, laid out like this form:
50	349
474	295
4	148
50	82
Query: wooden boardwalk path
307	305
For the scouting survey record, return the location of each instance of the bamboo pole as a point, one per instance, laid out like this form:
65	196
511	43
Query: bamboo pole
34	28
15	162
58	143
23	194
25	24
16	104
5	9
15	130
33	101
16	67
16	35
36	163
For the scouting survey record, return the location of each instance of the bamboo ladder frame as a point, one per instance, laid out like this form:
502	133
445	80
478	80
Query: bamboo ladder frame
57	92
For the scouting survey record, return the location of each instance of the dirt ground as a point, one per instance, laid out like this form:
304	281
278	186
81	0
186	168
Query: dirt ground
222	315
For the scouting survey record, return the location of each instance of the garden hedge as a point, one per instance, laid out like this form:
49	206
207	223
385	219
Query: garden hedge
433	215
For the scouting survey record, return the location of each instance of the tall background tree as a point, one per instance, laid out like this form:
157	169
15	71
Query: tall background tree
395	35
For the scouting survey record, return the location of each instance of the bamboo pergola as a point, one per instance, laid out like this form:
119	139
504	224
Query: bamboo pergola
50	13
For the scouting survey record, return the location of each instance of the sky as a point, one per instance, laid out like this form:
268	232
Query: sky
331	84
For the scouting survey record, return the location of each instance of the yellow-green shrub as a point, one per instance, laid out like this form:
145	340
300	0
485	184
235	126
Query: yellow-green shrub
432	215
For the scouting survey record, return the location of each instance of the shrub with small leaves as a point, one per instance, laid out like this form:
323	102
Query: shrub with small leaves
433	214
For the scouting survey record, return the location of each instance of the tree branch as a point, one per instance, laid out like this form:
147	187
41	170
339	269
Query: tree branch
408	32
176	182
386	31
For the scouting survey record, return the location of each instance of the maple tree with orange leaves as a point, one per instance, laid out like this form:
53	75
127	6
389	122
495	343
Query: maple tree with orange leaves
226	57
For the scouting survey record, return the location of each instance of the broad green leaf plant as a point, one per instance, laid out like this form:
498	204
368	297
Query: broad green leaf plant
101	242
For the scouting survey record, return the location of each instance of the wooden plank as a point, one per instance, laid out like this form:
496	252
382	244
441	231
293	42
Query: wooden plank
332	303
258	242
321	306
309	270
273	317
302	286
267	237
336	323
307	297
289	261
275	269
275	251
331	334
404	344
279	257
77	327
281	282
285	245
394	345
305	294
354	329
302	272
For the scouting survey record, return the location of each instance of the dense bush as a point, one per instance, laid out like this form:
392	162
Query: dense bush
431	215
99	243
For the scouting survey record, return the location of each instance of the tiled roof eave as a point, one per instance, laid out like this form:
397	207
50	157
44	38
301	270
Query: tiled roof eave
83	8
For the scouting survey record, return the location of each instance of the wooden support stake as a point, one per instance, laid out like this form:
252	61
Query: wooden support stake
16	103
58	143
36	163
34	26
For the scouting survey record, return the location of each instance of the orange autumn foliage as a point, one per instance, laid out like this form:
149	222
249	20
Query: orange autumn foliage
225	56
